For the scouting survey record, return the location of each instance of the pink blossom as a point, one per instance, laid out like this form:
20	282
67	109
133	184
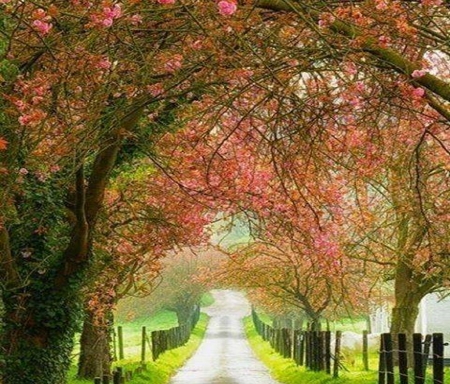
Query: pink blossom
155	89
25	119
418	73
166	1
174	64
42	27
112	13
431	2
136	19
107	22
23	171
418	93
384	40
380	5
104	64
227	8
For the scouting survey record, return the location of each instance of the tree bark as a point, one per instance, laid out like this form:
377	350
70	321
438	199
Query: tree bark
408	294
95	354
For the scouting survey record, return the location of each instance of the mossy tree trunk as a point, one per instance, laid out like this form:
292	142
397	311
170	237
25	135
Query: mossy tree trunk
95	353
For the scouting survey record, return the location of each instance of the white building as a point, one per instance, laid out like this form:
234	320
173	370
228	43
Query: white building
434	317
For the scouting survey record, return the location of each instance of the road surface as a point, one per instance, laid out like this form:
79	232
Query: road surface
224	357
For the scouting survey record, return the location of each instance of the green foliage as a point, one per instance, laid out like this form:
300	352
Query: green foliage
8	70
159	372
41	320
207	300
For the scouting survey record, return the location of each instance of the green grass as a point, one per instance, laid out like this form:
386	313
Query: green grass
160	371
207	300
287	372
132	331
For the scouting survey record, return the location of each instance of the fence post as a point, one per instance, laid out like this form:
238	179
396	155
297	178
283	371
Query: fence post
320	351
106	379
365	354
426	353
438	358
389	357
143	344
328	352
302	348
155	346
382	363
114	344
97	380
337	352
418	359
403	358
117	376
120	336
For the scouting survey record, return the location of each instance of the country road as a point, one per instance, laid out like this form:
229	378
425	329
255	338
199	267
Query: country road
224	357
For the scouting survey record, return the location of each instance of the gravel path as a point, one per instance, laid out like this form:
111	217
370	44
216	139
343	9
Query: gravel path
224	357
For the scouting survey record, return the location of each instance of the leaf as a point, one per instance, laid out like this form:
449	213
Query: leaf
3	144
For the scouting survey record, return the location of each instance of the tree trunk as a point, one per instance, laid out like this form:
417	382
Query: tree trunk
41	316
95	354
408	294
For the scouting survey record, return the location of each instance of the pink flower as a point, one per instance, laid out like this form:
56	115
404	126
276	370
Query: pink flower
418	93
431	2
107	22
226	8
418	73
112	13
42	27
174	64
104	63
23	171
166	1
136	19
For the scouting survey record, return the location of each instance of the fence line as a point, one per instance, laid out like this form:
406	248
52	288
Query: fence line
309	348
174	337
387	370
161	341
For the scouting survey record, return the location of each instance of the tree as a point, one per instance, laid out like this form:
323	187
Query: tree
184	280
145	217
76	91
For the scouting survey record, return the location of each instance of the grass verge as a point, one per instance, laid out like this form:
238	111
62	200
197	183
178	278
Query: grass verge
160	371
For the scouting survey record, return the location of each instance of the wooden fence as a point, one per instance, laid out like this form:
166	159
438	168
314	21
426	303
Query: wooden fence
420	358
161	341
119	376
174	337
309	348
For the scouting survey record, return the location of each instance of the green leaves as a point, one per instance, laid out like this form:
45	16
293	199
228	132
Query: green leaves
8	70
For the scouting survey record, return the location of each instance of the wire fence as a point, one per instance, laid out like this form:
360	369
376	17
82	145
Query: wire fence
311	349
400	356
